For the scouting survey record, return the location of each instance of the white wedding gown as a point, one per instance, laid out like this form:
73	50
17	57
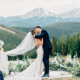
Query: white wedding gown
34	71
3	62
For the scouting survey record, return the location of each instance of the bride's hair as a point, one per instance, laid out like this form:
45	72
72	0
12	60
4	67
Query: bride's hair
33	32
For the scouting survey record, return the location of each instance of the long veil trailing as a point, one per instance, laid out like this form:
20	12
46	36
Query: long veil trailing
3	62
27	44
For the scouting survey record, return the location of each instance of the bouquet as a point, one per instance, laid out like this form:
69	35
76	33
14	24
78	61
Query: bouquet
1	44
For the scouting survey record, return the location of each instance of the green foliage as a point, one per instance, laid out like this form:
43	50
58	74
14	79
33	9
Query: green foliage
19	66
77	72
70	45
4	75
31	54
68	65
54	42
10	40
54	66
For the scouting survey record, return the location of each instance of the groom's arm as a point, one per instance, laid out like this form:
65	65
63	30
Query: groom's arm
41	35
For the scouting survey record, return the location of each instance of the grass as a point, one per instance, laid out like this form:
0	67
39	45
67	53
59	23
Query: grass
73	78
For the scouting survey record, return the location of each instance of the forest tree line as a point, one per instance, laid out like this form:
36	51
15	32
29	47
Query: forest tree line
70	45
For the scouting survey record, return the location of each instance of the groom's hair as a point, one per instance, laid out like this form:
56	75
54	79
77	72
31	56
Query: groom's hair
37	27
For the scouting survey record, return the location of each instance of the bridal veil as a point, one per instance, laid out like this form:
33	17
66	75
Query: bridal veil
27	44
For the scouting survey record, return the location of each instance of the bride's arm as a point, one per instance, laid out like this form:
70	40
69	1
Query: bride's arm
0	47
40	42
37	43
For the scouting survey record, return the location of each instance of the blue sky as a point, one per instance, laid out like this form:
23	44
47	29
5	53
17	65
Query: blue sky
21	7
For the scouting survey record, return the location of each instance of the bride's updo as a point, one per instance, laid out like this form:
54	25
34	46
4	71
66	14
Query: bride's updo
33	32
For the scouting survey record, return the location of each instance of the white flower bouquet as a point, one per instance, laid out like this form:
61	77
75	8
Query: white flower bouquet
1	43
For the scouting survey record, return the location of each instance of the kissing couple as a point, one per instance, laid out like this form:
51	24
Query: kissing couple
44	47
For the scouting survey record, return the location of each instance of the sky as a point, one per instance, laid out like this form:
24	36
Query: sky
21	7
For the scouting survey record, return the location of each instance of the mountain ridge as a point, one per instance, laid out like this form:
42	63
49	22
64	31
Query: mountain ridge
58	29
41	17
39	12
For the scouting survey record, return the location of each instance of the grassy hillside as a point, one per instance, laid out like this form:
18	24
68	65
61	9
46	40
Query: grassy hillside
58	28
13	29
11	40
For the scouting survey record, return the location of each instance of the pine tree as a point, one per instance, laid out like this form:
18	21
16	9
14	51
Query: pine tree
62	44
54	43
68	43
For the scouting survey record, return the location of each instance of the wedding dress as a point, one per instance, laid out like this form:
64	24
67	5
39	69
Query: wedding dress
34	71
3	60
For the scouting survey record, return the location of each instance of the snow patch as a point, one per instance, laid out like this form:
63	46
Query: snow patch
7	30
38	12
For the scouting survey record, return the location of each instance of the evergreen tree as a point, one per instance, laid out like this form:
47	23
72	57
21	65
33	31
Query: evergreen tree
54	43
62	44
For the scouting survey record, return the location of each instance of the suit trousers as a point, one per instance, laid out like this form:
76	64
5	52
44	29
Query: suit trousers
46	60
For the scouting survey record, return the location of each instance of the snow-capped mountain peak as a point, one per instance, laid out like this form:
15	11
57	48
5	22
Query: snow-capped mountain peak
73	13
38	12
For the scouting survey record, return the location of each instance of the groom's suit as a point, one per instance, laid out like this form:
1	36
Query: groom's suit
47	47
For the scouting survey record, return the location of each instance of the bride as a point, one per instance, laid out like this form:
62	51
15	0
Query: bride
34	71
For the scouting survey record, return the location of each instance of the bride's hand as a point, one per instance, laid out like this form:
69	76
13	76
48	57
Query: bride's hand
38	45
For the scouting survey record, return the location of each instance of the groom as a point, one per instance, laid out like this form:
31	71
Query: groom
47	47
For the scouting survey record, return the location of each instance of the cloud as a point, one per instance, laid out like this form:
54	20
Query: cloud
20	7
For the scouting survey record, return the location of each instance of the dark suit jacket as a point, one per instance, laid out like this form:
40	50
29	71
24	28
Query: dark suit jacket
1	76
46	41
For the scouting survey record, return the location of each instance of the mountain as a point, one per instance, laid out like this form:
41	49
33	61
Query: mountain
38	12
38	16
58	29
73	13
2	17
41	17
